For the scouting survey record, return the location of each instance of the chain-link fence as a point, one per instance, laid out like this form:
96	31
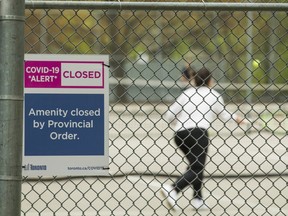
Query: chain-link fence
245	48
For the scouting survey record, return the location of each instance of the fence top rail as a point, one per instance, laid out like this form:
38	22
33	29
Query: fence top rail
175	6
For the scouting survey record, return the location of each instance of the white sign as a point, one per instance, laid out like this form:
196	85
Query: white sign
66	104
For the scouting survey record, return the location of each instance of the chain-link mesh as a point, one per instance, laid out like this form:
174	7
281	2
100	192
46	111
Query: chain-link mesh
246	51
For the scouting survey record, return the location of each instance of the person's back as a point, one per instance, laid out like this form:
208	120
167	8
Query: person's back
197	107
200	107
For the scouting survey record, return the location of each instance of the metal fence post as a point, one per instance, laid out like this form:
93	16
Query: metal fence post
11	100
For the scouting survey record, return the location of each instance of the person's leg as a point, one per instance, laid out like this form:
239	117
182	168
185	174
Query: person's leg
199	165
194	145
185	140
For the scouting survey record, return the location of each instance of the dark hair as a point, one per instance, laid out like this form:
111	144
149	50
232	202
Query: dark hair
188	72
203	77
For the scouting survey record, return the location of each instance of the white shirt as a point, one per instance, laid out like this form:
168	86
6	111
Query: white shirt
197	107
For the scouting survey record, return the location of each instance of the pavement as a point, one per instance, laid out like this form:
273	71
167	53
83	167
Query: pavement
246	172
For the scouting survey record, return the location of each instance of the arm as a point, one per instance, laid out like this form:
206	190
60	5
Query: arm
224	114
235	117
173	111
176	108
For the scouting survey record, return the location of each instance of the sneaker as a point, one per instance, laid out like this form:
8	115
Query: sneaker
171	195
199	204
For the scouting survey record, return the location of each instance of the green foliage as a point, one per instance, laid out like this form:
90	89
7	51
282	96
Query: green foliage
259	76
228	38
181	50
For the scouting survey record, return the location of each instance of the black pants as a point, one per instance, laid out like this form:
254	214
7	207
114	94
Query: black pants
194	144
